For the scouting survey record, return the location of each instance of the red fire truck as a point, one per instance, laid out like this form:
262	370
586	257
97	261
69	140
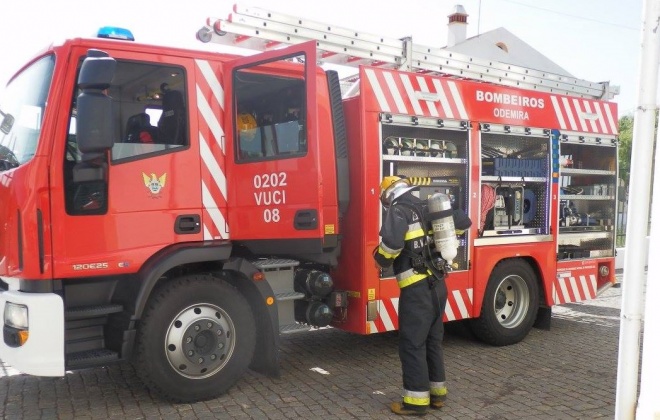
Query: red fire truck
182	209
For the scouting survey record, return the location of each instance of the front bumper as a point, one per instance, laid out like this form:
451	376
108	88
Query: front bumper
43	352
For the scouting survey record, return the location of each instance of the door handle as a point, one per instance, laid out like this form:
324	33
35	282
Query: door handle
306	219
187	224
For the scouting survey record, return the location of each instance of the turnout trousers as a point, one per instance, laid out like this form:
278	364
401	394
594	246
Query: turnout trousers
420	334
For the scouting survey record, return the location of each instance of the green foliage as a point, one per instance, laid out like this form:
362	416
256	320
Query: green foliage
626	124
625	146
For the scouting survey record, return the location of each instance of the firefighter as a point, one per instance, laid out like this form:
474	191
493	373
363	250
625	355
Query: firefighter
423	295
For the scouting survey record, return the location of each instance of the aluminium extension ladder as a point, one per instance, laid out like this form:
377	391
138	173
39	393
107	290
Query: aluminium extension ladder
262	30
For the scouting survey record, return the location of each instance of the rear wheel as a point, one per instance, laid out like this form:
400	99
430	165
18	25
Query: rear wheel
510	304
195	340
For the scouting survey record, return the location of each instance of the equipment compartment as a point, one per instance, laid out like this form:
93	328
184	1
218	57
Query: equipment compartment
515	181
587	192
432	157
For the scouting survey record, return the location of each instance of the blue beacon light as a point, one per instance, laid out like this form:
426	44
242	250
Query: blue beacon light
113	32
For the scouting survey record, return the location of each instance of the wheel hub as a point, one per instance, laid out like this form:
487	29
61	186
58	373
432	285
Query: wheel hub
511	301
199	341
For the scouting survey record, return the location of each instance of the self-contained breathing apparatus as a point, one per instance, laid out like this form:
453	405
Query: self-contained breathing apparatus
437	259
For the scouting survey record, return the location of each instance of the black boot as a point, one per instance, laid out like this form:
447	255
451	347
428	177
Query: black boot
438	397
438	401
404	409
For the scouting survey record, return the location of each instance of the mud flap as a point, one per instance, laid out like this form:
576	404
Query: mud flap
543	318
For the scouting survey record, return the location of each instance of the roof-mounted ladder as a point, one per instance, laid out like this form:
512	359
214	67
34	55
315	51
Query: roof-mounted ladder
261	30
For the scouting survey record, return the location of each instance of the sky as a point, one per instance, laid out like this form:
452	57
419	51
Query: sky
595	40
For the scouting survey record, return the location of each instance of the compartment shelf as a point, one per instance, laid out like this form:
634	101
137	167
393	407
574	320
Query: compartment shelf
492	178
514	230
427	159
585	197
577	172
574	235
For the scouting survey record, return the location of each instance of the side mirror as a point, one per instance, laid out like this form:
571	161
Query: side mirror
95	125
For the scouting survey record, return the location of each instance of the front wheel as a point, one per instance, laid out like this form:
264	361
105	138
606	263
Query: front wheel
195	340
510	304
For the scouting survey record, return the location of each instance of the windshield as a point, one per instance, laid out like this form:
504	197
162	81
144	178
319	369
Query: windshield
21	112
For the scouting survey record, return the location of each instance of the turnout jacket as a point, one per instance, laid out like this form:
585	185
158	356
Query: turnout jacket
402	238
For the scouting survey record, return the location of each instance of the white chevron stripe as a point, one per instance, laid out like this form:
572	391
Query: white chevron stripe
212	80
385	316
575	289
603	124
395	303
210	119
555	296
449	312
394	91
608	112
424	88
207	233
560	117
213	166
213	210
470	293
375	86
564	291
443	99
578	111
411	94
459	302
458	101
587	109
585	287
569	113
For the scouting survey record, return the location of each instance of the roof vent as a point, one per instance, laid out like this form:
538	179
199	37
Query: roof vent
502	46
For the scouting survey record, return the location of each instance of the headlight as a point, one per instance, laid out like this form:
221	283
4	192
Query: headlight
16	316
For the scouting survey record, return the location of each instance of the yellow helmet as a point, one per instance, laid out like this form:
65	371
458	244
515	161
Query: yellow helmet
247	125
393	187
246	122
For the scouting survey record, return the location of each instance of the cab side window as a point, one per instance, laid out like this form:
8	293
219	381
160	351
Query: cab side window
150	113
270	123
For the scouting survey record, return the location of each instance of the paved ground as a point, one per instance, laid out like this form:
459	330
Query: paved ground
568	372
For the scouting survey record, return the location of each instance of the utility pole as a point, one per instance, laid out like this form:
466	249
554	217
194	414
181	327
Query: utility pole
637	225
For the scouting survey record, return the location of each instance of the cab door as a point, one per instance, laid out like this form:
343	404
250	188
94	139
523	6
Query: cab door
274	182
146	202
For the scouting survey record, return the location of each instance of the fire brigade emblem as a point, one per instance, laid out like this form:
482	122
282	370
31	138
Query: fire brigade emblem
154	183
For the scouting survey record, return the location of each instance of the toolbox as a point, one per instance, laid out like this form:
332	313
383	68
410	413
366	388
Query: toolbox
499	166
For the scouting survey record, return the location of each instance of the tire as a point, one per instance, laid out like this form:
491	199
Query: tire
510	304
195	340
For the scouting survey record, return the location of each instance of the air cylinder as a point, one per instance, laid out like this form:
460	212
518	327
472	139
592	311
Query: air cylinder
442	221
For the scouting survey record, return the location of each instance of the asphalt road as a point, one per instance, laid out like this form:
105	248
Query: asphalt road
568	372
